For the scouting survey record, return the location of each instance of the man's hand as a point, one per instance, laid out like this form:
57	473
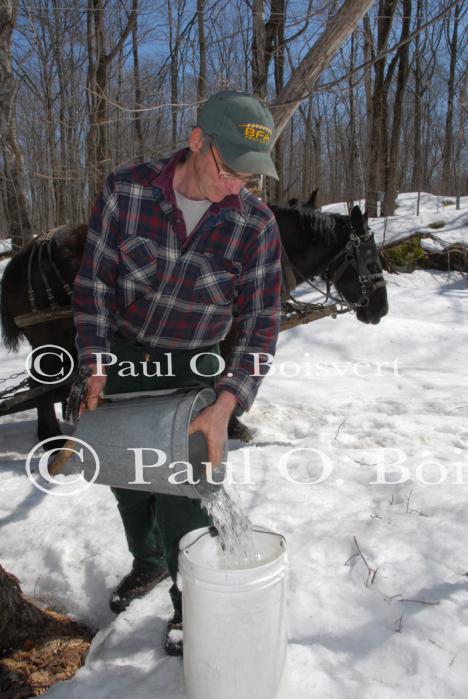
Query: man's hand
94	388
213	422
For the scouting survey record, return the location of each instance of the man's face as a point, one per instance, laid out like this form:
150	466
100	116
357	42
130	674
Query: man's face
215	179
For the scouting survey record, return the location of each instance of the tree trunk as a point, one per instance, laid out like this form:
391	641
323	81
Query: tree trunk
98	153
259	60
118	121
174	51
377	134
276	30
353	184
53	168
461	185
201	92
19	226
267	41
447	155
37	647
317	144
388	208
137	121
417	145
306	179
101	111
20	619
60	213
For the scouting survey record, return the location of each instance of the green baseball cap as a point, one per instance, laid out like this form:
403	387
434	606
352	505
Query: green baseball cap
242	129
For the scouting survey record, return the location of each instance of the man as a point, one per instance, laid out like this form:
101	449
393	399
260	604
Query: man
173	246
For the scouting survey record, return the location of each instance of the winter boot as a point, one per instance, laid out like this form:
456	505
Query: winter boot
174	639
136	584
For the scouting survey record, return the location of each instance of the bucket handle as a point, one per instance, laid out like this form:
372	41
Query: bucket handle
264	530
212	531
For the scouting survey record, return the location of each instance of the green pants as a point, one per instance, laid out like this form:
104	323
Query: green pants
154	523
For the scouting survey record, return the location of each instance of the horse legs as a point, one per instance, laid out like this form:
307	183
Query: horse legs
47	423
49	367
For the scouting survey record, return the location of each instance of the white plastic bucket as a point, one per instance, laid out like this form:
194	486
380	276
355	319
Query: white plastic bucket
235	636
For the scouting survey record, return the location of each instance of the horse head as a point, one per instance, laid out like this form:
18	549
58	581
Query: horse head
340	248
356	271
68	247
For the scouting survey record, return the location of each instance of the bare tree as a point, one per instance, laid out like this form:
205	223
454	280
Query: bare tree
303	79
99	61
354	182
96	88
388	207
175	41
201	92
448	174
16	202
267	41
377	109
138	103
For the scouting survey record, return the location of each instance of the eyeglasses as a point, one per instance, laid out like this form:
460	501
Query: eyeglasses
228	174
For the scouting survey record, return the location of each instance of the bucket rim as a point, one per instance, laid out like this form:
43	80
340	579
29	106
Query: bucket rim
184	414
197	534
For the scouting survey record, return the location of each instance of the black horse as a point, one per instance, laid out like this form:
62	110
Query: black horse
35	304
36	284
341	249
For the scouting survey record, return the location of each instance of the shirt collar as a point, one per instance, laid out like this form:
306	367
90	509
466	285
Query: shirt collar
163	182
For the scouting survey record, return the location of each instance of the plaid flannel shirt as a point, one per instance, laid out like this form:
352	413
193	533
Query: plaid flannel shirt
143	277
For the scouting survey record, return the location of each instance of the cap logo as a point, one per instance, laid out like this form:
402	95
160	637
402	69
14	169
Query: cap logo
256	132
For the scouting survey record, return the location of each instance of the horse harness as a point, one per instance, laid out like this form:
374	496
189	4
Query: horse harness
355	254
56	311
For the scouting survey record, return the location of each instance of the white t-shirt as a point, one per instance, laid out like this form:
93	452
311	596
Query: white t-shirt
192	210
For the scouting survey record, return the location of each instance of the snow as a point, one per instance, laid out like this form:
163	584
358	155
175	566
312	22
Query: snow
373	430
433	209
431	245
5	246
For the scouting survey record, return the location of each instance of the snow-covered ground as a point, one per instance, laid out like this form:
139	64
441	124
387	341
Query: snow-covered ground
5	246
432	209
377	416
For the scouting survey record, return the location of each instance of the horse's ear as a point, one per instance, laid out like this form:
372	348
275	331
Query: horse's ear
312	202
356	216
359	221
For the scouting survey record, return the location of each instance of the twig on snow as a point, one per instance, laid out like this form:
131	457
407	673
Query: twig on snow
399	624
371	572
412	511
407	599
392	597
339	428
420	601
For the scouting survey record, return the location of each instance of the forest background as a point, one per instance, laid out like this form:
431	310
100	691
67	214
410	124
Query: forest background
90	86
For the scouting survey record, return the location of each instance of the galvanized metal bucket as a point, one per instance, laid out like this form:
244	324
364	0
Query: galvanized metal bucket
142	443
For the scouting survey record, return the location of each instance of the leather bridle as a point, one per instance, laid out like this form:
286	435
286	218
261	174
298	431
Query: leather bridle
356	254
